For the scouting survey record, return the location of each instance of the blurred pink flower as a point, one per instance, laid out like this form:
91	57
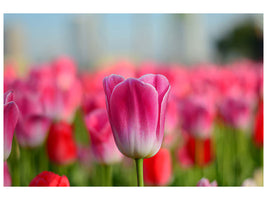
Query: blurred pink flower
172	118
136	110
11	114
59	88
197	114
65	70
103	145
236	111
7	177
10	74
206	183
32	125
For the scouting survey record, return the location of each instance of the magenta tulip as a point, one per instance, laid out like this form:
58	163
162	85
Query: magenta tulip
236	111
197	115
33	125
136	110
103	145
11	114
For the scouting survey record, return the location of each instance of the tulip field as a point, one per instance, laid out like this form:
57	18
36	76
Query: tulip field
133	124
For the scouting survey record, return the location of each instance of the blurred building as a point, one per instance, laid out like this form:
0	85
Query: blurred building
94	38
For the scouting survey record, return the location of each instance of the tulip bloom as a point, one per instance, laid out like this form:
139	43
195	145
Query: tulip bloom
197	114
7	177
61	147
32	125
11	115
102	141
136	110
158	169
49	179
236	111
205	183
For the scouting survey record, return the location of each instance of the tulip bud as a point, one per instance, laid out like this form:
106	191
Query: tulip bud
136	110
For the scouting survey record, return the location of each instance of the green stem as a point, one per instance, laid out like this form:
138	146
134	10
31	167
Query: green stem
139	171
108	175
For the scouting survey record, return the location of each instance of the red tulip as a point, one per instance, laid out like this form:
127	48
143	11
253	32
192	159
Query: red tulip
11	114
61	147
195	151
158	169
258	126
49	179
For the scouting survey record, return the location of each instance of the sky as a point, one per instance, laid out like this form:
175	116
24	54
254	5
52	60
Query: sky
46	35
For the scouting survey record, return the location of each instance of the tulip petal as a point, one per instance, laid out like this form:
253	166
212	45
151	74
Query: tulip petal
161	84
11	114
8	96
109	84
134	117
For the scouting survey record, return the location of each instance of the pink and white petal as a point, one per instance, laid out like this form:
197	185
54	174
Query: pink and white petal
11	114
159	82
134	117
109	83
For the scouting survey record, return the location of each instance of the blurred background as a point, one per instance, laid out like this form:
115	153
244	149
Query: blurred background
91	39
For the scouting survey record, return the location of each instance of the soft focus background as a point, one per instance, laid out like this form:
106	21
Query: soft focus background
91	39
55	65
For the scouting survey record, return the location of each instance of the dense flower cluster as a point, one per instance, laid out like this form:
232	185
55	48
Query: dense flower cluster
124	109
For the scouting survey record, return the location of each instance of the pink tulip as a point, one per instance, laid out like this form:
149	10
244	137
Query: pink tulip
59	88
64	69
236	111
7	177
172	117
33	125
11	114
197	114
103	145
205	183
10	75
136	110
